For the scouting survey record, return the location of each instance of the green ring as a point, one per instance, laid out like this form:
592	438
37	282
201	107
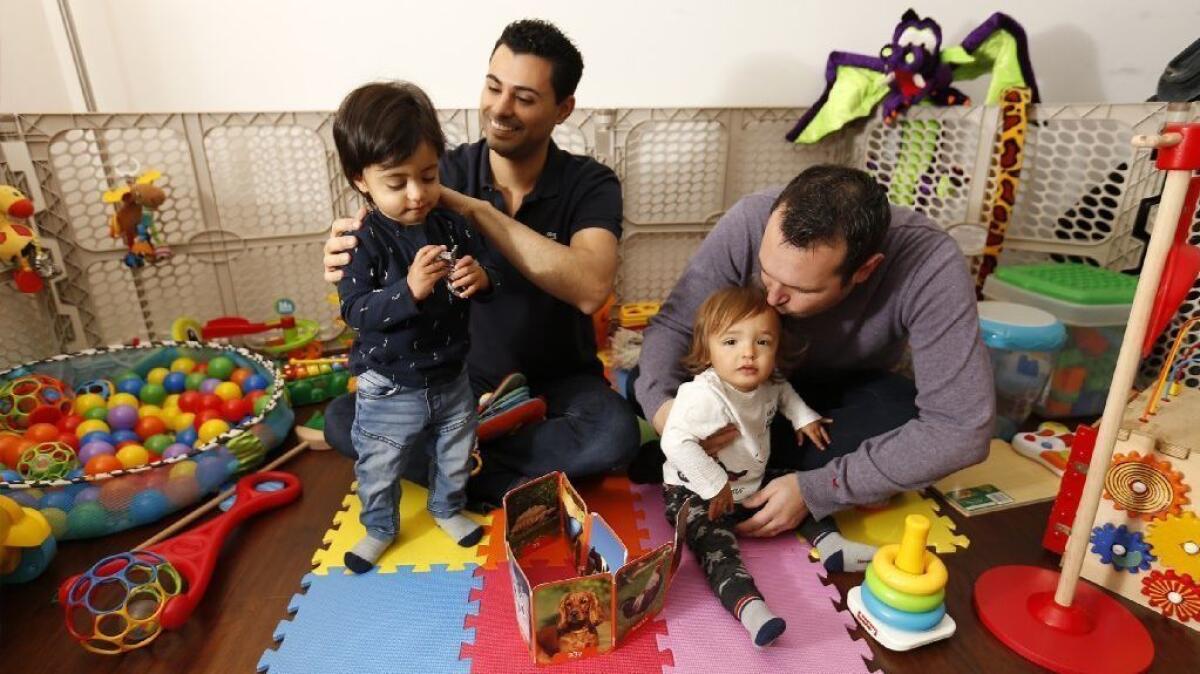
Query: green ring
903	601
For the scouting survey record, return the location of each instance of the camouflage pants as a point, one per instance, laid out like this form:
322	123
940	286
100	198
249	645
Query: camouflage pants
715	546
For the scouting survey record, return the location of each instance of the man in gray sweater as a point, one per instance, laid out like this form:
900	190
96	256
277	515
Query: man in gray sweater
856	280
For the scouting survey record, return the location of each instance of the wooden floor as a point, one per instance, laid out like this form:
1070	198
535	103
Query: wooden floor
262	564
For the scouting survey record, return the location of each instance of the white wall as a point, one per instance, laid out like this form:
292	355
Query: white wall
184	55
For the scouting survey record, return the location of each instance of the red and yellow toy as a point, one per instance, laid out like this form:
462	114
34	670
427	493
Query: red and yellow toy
19	245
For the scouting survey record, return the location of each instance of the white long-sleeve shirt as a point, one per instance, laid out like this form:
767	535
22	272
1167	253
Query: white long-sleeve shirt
706	404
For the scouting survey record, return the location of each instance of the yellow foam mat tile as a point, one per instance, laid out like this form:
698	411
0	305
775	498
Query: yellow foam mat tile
420	543
881	527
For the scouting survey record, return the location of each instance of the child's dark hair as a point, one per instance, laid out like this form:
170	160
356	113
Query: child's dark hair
722	309
545	40
384	123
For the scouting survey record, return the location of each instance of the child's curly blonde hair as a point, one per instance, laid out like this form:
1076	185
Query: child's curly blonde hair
722	309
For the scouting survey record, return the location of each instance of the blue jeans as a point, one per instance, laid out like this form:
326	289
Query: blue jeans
391	421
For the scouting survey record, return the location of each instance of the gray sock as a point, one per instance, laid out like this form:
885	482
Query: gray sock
763	626
841	554
461	528
361	558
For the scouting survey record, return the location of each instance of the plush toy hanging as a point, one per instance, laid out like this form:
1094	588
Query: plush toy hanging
19	244
133	222
914	69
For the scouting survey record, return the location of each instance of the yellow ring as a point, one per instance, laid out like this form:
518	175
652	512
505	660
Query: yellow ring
933	579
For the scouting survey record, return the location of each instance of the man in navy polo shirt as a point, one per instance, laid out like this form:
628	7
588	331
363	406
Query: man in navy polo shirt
552	221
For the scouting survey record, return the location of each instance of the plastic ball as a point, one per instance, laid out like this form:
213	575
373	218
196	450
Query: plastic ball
189	401
118	399
131	386
233	410
176	382
116	494
126	375
183	364
69	440
122	417
205	416
183	469
153	394
169	415
102	463
96	414
132	456
209	401
32	399
255	382
149	411
182	421
148	426
220	367
101	387
69	423
260	405
125	435
87	494
89	426
95	448
157	375
157	444
187	436
11	446
42	432
97	435
211	429
209	385
183	490
194	380
149	506
86	520
228	390
239	375
211	471
172	401
47	461
57	518
175	449
60	499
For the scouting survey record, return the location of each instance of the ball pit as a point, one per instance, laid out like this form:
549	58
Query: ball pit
128	435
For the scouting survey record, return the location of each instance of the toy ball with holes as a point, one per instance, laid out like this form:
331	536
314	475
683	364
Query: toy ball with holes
33	399
47	461
117	605
902	604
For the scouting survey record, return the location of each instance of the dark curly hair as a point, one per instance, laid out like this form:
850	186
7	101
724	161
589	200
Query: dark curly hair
544	39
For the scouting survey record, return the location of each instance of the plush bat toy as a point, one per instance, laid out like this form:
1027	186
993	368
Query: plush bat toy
914	69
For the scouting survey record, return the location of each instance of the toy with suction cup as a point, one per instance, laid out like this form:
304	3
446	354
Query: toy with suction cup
1047	616
125	600
902	604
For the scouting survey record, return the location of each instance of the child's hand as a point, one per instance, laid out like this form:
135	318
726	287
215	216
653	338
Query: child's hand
426	270
815	432
721	503
468	278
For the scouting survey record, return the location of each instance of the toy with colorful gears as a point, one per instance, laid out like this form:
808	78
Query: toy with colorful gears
1144	486
298	339
902	602
33	399
1176	541
1121	548
125	601
133	223
26	543
19	245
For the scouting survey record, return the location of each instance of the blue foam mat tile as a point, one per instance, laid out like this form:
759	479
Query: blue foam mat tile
394	622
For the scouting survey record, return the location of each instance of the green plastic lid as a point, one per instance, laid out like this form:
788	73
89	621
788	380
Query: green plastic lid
1071	282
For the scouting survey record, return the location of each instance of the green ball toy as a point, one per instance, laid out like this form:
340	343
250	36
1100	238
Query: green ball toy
87	520
194	380
153	394
157	444
97	413
260	405
220	368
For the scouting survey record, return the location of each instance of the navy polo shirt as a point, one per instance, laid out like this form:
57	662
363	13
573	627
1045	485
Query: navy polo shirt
525	329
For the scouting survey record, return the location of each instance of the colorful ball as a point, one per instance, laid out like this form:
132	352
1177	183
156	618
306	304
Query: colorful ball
211	471
95	448
59	498
115	495
149	411
239	375
101	387
187	436
228	390
11	446
153	394
182	470
189	401
70	422
88	401
209	401
233	410
183	364
194	380
176	382
102	463
211	429
148	426
260	405
205	416
182	421
132	386
86	520
96	413
97	435
220	367
57	518
209	385
183	490
148	506
89	426
47	461
118	399
157	444
42	432
132	456
122	417
88	494
126	375
157	375
255	382
126	435
32	399
69	440
175	449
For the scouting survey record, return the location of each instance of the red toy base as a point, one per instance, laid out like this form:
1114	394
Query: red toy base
1095	634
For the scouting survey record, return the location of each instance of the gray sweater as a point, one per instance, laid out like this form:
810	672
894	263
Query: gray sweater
921	295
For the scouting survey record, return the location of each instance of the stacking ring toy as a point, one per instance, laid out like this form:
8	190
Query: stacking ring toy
902	601
911	622
933	579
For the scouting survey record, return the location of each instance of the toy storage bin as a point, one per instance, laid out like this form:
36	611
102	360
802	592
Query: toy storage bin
1022	342
87	506
1094	305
